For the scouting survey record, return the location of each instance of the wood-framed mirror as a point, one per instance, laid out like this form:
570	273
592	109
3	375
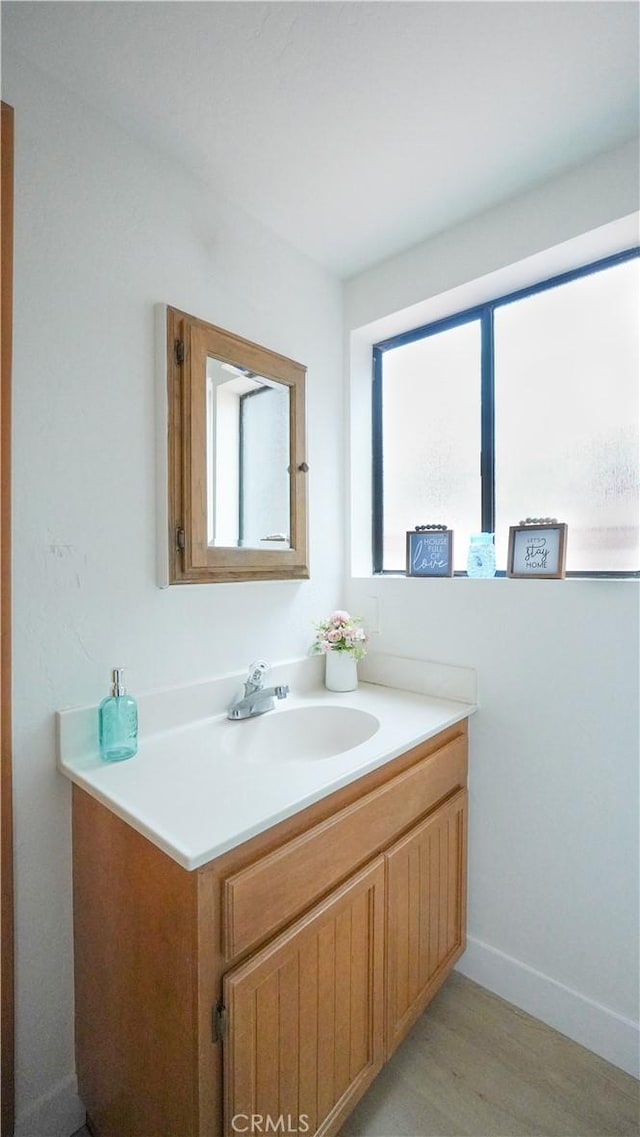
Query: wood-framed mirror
236	465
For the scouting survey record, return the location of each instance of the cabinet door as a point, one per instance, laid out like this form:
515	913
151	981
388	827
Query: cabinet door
426	881
305	1030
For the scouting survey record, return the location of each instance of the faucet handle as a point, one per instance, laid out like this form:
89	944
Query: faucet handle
257	672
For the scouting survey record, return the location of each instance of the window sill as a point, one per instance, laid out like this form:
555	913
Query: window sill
501	575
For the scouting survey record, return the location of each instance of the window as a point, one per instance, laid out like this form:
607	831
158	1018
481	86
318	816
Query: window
525	406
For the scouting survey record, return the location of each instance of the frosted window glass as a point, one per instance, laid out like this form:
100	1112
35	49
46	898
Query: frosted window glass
431	440
567	371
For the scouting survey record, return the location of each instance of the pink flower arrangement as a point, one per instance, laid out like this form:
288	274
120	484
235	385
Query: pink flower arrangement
340	632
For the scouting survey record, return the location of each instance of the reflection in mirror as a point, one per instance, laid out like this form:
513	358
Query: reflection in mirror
248	489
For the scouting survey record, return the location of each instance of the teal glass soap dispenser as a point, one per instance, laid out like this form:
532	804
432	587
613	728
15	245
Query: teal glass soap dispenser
118	722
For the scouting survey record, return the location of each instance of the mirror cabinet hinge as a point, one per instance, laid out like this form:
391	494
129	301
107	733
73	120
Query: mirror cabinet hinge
178	349
218	1021
180	539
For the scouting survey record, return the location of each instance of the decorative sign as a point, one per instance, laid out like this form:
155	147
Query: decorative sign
430	551
537	549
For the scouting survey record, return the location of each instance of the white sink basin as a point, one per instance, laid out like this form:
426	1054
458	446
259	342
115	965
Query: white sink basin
301	734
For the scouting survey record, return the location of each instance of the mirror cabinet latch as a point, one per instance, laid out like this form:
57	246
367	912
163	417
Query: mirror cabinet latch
178	350
303	467
180	540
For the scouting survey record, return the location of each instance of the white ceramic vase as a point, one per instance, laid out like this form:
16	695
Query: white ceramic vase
341	671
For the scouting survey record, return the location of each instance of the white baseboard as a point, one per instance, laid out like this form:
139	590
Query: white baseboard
57	1114
600	1029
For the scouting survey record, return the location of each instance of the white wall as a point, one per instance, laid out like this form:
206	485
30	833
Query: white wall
553	855
105	229
580	201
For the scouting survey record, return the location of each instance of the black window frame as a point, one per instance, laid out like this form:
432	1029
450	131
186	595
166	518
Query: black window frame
484	313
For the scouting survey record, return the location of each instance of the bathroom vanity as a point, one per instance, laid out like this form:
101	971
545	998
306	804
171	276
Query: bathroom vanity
275	978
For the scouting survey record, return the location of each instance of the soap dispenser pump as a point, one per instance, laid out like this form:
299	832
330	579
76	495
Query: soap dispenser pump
118	722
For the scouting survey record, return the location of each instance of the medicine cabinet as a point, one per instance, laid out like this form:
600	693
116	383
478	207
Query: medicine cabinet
237	474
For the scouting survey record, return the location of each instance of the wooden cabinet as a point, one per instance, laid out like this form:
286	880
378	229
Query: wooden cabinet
274	982
425	913
306	1014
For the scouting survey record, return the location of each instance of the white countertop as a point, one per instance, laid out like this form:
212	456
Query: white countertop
194	801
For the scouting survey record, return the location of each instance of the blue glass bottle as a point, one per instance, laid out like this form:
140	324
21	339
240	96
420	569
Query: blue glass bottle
481	561
118	722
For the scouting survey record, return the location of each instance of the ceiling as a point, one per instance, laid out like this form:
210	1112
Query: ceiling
352	130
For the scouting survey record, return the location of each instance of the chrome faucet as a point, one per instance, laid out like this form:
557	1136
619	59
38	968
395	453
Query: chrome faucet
256	699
